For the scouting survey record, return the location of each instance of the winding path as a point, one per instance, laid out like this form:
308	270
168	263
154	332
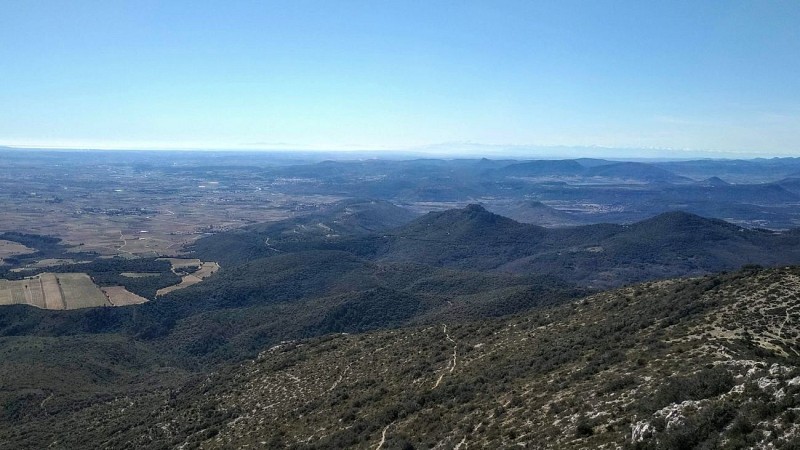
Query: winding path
341	377
383	436
787	339
451	365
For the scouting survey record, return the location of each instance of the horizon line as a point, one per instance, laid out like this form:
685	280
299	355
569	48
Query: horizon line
447	150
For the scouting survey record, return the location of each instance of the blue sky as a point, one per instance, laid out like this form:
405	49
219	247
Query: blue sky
677	78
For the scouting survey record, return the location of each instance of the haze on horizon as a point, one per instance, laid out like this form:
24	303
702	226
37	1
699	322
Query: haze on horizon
609	78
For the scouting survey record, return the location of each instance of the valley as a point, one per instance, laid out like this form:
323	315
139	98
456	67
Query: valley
144	204
219	302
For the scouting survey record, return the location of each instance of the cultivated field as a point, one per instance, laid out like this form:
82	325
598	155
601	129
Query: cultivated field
99	207
206	270
119	296
80	292
53	291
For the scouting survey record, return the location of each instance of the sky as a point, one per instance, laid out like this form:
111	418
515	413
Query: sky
666	78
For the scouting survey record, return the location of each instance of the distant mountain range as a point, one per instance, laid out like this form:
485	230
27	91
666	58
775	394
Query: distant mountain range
754	193
750	192
596	169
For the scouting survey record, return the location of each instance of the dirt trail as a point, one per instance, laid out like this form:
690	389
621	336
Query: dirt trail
451	365
383	436
783	324
787	339
124	243
41	405
266	242
341	377
447	335
455	349
791	283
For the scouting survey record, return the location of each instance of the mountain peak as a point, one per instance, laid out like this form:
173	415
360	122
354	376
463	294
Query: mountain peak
537	204
691	226
464	223
475	214
716	181
676	217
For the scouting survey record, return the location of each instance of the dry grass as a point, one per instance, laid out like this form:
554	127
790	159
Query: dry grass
119	296
11	248
206	270
53	291
79	291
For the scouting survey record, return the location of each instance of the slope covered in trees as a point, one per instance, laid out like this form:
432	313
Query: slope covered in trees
709	362
601	255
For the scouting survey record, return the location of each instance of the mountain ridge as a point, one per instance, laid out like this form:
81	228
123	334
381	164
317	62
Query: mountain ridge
667	245
536	213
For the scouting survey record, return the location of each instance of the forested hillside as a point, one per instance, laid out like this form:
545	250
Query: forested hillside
707	362
596	256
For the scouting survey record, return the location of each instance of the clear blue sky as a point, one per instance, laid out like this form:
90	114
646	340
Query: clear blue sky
704	75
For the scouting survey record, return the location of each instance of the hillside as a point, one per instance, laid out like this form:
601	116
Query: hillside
707	362
294	295
536	213
634	171
589	171
346	218
352	216
543	168
758	194
668	245
714	182
599	255
735	170
463	264
791	184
